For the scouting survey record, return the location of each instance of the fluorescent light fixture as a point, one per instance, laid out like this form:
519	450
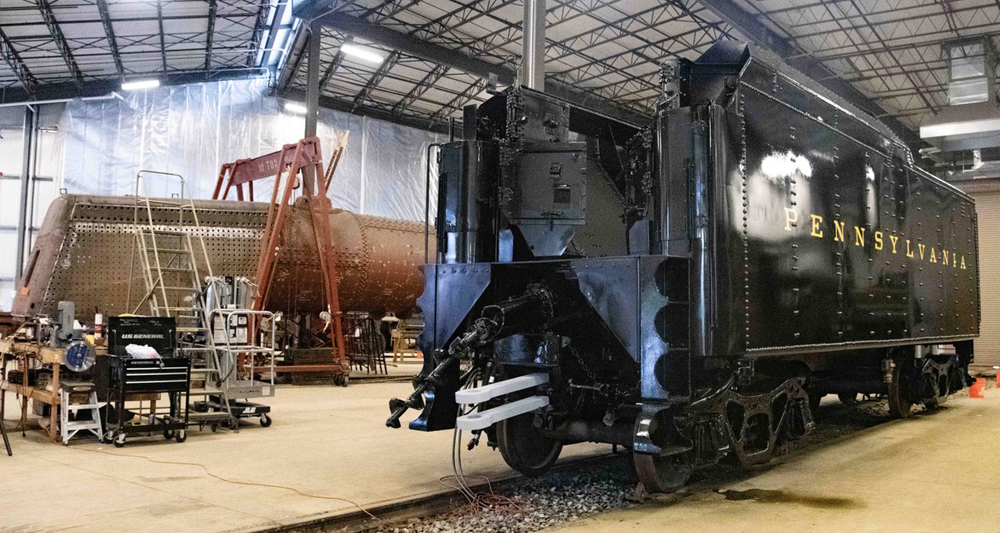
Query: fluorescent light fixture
361	52
295	107
140	85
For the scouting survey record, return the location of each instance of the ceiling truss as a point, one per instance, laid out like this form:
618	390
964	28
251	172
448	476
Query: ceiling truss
883	55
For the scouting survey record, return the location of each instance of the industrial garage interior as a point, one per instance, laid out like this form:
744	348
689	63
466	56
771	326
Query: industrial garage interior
499	265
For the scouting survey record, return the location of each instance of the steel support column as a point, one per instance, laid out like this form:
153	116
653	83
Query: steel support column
312	79
309	176
30	118
533	45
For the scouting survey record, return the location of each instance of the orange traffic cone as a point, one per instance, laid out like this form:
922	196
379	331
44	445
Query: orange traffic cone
976	390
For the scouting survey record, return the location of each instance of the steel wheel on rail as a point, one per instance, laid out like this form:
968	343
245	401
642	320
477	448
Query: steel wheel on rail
899	388
849	399
661	473
526	448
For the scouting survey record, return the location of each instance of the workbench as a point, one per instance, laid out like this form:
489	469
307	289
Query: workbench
13	350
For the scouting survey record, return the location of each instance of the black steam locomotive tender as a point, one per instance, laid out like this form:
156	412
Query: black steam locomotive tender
688	288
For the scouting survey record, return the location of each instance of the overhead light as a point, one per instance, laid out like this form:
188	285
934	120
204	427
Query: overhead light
361	52
295	107
140	85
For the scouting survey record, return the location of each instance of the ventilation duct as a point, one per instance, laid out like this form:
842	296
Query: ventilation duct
972	119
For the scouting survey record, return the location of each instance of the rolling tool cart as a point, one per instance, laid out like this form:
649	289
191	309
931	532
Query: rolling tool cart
166	375
132	377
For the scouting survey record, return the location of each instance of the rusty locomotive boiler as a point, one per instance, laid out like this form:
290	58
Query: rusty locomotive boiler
83	254
688	287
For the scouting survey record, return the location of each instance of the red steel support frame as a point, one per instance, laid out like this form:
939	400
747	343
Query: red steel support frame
304	154
246	171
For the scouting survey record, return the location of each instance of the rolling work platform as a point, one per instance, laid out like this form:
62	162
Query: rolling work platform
245	345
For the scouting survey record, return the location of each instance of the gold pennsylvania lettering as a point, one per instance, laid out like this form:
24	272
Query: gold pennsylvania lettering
861	236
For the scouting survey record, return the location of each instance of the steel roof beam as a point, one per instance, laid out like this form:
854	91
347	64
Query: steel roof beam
757	31
504	74
60	40
163	34
57	91
212	5
258	31
109	32
293	60
346	106
338	58
275	26
420	88
13	60
380	74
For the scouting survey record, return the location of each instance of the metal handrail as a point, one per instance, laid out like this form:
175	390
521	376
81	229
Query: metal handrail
135	226
230	349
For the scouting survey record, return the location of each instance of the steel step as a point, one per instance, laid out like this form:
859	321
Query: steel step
210	416
206	392
79	406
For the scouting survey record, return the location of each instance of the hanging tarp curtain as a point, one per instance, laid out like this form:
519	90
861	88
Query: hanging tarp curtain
193	129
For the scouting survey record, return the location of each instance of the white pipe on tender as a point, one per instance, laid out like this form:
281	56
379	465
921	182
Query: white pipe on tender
485	419
500	388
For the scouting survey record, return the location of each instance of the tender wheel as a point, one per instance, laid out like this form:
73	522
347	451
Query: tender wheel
182	436
120	440
265	421
168	434
661	473
814	399
899	400
848	399
524	447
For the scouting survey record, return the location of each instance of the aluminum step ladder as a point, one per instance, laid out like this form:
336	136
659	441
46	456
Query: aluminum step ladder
69	428
167	246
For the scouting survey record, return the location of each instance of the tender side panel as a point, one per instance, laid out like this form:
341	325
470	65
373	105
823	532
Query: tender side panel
846	245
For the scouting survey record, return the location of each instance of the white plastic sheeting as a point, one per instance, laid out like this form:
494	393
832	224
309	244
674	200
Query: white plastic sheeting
193	129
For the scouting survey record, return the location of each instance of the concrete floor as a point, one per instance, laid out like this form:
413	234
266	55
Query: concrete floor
325	441
935	472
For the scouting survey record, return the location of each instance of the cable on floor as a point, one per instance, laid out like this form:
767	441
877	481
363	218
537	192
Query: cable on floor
237	482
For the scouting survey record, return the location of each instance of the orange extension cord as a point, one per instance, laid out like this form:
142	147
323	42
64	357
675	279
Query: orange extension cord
236	482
